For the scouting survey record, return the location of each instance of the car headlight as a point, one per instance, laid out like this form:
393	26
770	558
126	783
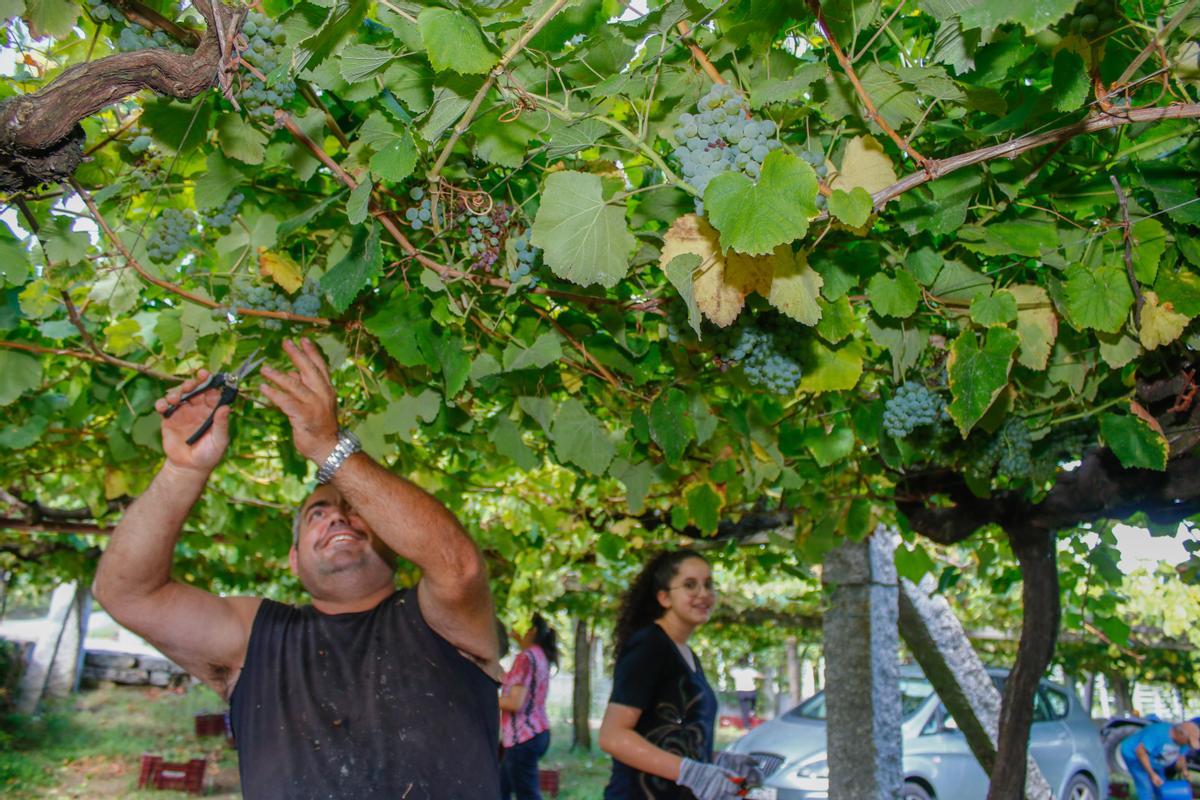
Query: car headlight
813	776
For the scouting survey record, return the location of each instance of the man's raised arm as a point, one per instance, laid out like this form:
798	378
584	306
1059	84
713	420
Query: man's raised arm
203	633
453	592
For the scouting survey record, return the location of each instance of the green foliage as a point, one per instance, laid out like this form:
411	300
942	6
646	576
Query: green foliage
582	394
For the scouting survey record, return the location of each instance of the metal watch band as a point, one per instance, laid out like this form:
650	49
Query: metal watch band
347	445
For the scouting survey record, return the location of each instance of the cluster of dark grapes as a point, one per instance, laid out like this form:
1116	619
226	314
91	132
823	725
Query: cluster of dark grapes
1093	18
763	354
172	233
912	406
422	215
264	50
222	217
263	298
1008	452
721	137
485	236
527	259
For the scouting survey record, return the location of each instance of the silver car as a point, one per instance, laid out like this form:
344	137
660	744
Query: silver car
938	764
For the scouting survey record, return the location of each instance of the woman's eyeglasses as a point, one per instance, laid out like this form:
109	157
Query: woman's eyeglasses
694	587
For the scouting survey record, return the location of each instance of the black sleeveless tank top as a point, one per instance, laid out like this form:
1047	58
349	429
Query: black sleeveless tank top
369	705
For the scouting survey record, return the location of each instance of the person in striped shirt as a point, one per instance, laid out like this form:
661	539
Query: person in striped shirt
524	726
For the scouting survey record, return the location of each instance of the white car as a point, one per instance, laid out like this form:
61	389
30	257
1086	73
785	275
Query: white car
938	764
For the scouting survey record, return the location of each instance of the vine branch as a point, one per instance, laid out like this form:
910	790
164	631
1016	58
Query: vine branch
701	57
171	287
464	121
1127	238
860	90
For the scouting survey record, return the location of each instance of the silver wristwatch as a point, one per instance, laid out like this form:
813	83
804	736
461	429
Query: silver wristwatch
347	445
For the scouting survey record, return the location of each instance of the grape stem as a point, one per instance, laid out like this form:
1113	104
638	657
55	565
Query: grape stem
701	57
1156	41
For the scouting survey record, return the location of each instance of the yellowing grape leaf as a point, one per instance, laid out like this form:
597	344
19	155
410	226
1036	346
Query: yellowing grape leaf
795	287
280	268
1161	323
864	164
1037	325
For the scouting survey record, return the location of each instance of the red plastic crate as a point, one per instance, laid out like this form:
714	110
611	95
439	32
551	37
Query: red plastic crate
210	724
185	776
548	781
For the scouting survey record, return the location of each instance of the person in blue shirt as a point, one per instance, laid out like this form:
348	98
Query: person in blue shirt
1155	747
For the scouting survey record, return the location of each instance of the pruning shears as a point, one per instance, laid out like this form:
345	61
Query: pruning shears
227	382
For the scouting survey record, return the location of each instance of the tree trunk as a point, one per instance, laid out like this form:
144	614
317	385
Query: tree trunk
793	670
1089	692
1122	692
581	735
1041	614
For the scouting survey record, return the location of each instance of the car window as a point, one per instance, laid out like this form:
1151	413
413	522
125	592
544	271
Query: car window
1041	710
1057	703
913	694
812	708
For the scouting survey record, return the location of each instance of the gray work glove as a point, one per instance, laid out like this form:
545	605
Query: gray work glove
743	765
708	781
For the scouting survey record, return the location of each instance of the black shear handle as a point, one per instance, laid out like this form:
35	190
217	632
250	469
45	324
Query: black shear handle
212	382
228	395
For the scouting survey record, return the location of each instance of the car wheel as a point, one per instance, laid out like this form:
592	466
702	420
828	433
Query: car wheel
1081	787
915	791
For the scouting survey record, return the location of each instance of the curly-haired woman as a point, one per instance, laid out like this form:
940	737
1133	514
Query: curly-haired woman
658	726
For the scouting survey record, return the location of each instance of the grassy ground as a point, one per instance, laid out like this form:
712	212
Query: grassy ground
91	747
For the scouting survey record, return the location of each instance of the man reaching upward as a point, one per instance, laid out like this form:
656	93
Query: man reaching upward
369	692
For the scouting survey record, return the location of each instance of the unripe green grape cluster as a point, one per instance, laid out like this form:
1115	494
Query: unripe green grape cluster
264	298
528	258
222	217
422	215
264	50
1094	18
816	159
763	356
1007	452
912	406
721	136
172	233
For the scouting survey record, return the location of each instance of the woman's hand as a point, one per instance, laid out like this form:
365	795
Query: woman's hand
708	781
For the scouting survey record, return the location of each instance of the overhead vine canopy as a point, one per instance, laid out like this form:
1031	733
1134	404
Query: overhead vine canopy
598	274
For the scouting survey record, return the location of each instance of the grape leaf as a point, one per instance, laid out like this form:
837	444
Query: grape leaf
506	436
361	264
864	165
679	273
455	42
830	369
18	374
281	268
978	375
755	218
671	424
240	139
358	204
396	160
636	478
358	62
1099	298
998	308
583	238
853	207
1071	83
1134	442
51	17
795	287
704	506
1161	324
896	296
545	350
1037	325
580	439
1035	15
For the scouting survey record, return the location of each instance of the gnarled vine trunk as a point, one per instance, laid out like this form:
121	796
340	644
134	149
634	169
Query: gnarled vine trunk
41	140
1041	613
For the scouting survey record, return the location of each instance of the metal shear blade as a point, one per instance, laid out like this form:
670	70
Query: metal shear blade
227	382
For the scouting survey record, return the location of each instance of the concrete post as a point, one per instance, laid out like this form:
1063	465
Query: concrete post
57	658
941	647
862	676
793	670
808	678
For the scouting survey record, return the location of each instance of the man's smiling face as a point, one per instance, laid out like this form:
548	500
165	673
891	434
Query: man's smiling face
335	544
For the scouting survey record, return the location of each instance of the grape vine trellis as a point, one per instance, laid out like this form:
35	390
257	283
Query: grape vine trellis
995	202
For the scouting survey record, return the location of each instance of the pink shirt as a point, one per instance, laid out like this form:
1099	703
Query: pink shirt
531	669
